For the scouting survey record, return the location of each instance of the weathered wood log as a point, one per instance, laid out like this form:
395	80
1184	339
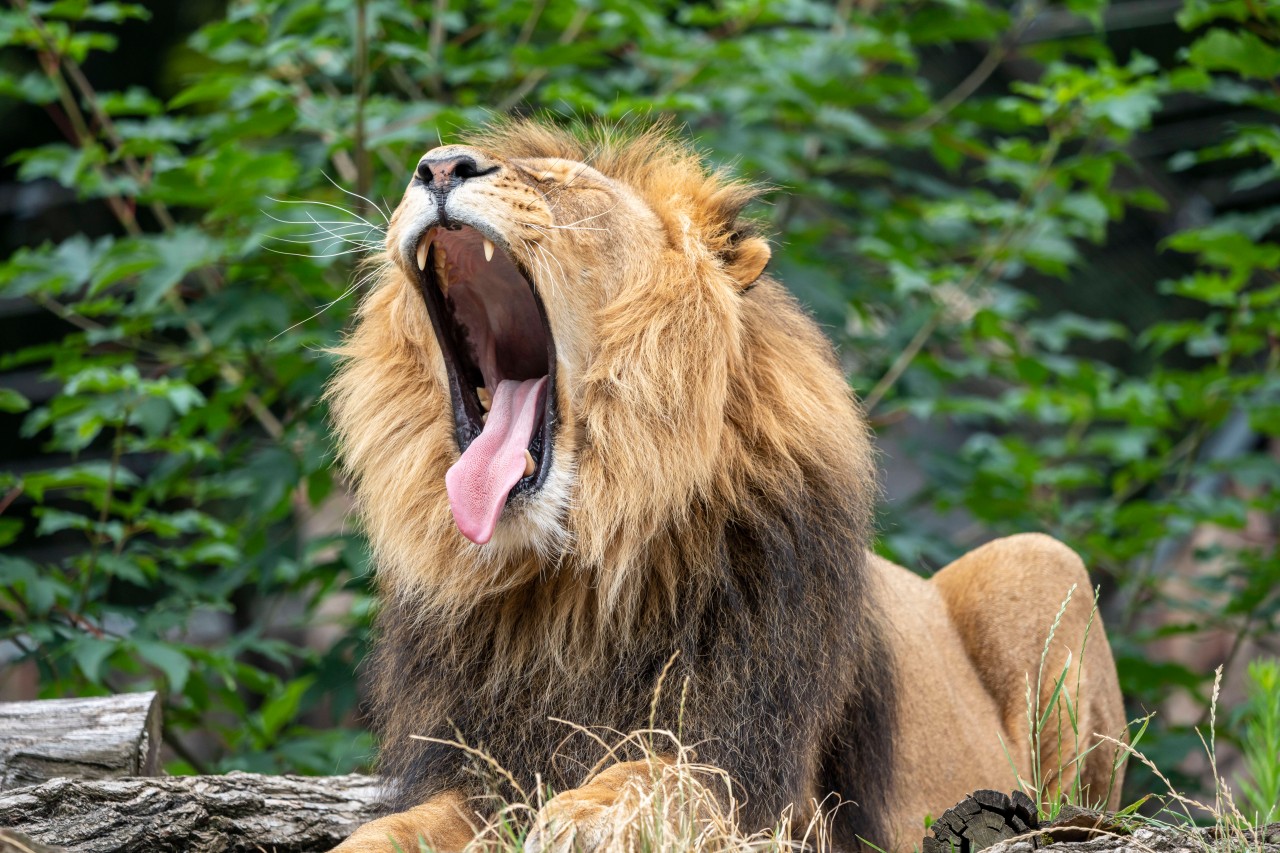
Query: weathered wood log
992	822
192	814
99	738
1153	838
16	842
981	820
297	814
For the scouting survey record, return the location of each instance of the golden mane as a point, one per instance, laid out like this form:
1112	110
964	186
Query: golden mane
701	402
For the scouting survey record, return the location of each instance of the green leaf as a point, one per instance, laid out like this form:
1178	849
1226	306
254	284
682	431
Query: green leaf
10	528
1240	51
176	254
1131	110
51	270
86	476
37	588
283	708
12	401
90	653
1090	9
32	87
175	665
1196	13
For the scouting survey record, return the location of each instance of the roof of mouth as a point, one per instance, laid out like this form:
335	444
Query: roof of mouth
491	302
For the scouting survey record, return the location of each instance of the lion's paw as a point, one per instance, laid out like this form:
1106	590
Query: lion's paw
579	821
443	824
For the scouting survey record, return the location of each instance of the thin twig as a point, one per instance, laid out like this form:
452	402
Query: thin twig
117	449
362	96
530	24
435	47
9	497
533	78
990	62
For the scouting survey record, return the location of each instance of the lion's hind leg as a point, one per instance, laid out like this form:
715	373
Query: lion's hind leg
1008	599
443	824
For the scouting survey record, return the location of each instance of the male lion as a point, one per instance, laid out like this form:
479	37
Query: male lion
596	448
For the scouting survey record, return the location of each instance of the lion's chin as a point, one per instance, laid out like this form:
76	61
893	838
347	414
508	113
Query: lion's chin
499	356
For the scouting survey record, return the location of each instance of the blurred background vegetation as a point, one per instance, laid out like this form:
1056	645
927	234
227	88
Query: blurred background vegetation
1043	235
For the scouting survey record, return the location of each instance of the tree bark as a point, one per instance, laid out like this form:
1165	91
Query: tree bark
98	738
1153	838
16	842
192	814
993	822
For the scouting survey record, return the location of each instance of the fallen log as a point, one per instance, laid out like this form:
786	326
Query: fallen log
97	738
298	814
1156	838
992	822
192	814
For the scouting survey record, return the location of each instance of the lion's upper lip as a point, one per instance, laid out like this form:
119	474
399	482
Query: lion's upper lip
492	326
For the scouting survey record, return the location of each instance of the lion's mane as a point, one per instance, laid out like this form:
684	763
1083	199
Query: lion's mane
719	510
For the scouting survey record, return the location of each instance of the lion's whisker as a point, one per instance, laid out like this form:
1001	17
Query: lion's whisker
605	212
543	278
386	217
327	231
341	223
323	308
576	227
350	251
338	207
553	197
311	239
564	275
542	256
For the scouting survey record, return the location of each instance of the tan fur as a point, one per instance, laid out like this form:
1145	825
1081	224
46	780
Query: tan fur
968	643
580	820
443	823
679	406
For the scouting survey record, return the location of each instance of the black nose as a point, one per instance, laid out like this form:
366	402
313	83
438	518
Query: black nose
444	173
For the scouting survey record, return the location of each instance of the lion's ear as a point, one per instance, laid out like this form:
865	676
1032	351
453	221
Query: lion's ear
746	258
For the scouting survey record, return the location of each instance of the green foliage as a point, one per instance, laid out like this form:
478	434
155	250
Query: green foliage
1261	738
187	454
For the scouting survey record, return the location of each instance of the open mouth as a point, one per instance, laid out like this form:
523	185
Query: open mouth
500	359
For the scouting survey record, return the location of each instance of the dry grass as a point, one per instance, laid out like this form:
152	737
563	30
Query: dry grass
1055	722
1057	719
1231	829
685	807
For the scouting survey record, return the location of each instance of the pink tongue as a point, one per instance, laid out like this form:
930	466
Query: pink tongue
478	483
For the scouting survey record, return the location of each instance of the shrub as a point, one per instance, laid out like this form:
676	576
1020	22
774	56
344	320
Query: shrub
184	451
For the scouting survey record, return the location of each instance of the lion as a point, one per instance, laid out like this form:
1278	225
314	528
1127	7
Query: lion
596	448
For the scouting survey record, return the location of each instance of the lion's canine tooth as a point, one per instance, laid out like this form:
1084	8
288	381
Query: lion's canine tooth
528	463
488	249
422	253
486	400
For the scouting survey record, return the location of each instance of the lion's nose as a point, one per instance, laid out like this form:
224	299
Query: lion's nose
443	172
